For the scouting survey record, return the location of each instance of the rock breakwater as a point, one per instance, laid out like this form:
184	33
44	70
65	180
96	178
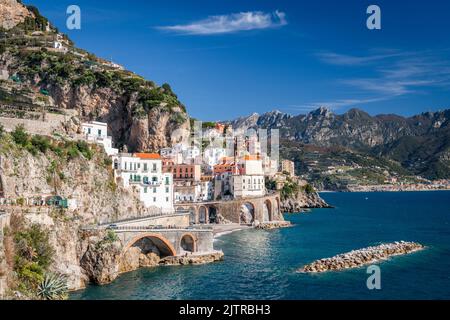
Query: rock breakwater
357	258
192	259
273	225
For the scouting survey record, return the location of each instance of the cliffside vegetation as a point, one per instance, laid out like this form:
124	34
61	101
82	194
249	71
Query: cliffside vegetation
33	256
142	114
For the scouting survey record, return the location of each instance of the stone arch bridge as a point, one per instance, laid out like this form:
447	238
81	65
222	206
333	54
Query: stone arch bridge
169	242
241	211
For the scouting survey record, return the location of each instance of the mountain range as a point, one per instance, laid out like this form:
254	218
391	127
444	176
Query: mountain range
416	146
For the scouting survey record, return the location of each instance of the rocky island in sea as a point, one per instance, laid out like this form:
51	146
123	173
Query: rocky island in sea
358	258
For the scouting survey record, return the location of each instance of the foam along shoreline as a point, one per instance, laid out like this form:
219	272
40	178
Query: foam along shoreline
357	258
223	229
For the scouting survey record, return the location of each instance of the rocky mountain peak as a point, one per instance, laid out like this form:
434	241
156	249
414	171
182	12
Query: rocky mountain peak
322	112
12	13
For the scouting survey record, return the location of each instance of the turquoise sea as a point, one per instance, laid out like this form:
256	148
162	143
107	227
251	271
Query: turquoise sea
262	264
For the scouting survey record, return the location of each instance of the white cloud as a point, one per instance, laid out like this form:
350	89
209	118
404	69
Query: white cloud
335	105
349	60
235	22
392	74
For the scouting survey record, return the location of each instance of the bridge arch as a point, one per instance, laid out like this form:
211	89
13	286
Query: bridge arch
164	246
192	215
247	213
212	214
188	242
267	211
202	215
277	206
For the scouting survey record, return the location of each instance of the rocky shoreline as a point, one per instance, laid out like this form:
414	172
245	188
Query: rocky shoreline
195	259
303	201
357	258
273	225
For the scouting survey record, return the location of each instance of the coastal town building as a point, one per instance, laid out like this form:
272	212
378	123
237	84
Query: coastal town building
183	172
192	155
248	180
270	166
239	177
144	172
212	156
97	132
288	166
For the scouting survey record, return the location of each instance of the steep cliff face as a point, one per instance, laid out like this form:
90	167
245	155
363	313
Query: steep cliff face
26	176
141	114
12	13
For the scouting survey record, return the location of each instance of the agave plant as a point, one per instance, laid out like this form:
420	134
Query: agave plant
53	287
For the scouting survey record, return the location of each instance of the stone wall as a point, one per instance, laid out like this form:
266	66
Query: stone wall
53	123
179	220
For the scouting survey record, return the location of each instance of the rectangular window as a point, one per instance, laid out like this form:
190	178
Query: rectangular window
154	167
154	190
89	130
145	190
99	132
167	199
145	167
154	199
167	189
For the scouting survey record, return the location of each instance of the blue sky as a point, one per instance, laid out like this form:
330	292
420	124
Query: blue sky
226	59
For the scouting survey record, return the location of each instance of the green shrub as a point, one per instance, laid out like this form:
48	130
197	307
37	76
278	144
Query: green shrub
309	189
33	256
84	149
111	236
20	136
107	162
41	143
72	152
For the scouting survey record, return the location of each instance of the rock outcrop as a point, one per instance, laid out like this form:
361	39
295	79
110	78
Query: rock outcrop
273	225
301	201
12	13
357	258
192	259
101	262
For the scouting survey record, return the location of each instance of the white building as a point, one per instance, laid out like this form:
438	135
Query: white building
191	154
270	166
254	146
244	186
166	152
97	132
250	181
212	156
144	171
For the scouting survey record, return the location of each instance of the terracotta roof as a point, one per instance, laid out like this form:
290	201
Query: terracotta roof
154	156
252	157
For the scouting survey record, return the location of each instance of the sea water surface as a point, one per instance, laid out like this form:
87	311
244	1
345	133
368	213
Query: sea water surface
263	264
